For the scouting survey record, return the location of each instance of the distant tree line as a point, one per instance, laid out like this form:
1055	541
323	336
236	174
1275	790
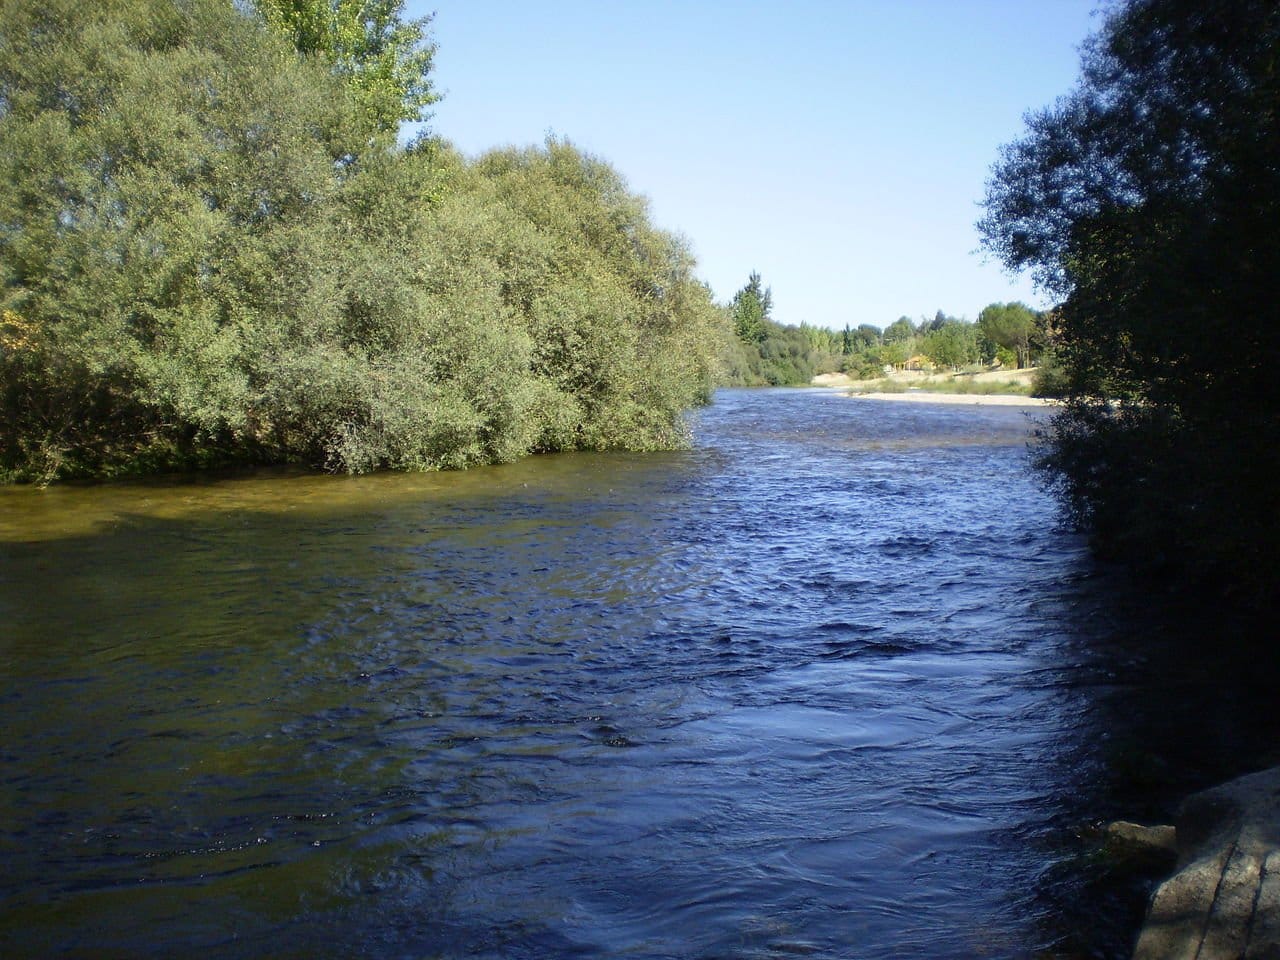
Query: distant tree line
1147	201
764	352
213	250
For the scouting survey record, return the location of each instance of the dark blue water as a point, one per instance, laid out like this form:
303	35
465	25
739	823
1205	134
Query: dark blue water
831	683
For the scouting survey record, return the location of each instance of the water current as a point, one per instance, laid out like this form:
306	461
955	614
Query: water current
832	682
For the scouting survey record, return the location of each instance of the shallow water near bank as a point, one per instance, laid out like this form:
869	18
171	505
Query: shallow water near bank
830	683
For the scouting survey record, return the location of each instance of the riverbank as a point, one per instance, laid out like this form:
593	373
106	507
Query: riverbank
990	388
975	399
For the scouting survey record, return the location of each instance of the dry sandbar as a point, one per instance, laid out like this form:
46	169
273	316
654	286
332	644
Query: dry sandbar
976	399
915	394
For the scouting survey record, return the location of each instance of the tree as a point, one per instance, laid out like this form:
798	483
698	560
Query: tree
170	170
385	58
953	344
868	335
895	352
1010	325
901	329
752	309
939	320
1146	202
820	339
205	257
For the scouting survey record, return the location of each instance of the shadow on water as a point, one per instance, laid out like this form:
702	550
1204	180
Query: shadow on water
1175	694
828	684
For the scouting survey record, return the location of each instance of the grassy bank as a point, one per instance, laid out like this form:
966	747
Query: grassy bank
988	383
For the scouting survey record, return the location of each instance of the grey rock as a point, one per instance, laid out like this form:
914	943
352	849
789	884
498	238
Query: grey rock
1156	847
1264	937
1224	902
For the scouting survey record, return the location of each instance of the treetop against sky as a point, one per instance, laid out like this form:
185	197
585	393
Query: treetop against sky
840	149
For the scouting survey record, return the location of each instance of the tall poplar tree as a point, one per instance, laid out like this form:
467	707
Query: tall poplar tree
752	307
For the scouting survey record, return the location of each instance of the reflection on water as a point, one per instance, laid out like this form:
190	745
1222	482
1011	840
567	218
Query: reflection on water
830	683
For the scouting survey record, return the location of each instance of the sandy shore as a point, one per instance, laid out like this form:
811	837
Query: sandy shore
977	399
840	381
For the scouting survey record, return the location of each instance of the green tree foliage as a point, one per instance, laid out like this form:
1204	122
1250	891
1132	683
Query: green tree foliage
752	310
821	341
952	344
939	320
621	329
895	353
385	58
899	331
1010	325
788	355
206	258
1050	378
764	353
785	356
1147	200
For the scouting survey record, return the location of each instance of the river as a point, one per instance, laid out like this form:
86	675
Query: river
830	683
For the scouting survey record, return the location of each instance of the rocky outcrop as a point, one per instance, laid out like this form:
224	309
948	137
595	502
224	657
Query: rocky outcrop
1224	901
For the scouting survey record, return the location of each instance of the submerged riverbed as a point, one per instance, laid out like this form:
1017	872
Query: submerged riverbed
829	683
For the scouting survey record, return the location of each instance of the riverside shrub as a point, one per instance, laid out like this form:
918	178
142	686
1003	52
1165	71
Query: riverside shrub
206	258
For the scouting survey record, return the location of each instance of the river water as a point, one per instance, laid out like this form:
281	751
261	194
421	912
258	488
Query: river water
829	683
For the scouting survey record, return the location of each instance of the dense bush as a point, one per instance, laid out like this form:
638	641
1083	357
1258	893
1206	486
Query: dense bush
783	356
205	256
1147	200
1051	379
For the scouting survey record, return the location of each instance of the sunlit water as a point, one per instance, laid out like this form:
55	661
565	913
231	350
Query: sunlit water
831	683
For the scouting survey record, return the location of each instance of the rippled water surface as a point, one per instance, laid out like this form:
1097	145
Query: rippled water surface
827	684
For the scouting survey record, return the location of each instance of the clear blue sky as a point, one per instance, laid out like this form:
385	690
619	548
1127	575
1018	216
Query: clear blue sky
839	148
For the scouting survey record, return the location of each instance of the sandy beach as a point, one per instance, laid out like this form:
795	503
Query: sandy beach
840	381
975	399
